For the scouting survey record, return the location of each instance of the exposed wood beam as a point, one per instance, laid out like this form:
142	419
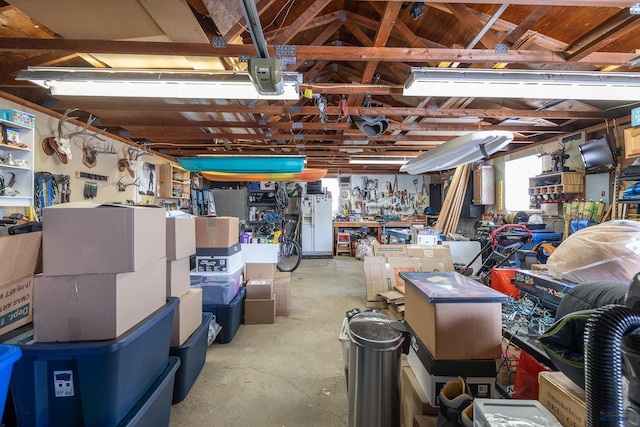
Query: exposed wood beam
330	53
137	105
620	24
526	24
179	123
587	3
301	21
474	24
240	27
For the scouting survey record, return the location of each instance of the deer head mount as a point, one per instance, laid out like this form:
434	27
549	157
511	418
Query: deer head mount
60	145
90	150
130	159
122	185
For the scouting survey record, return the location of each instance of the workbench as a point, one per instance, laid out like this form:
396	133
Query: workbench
343	225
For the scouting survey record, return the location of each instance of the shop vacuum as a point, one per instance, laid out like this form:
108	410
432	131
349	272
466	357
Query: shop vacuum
612	349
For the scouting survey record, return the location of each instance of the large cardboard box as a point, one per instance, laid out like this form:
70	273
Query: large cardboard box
187	317
20	255
257	253
96	306
413	400
178	277
454	316
282	291
260	311
181	237
259	271
259	289
88	238
217	232
442	252
563	398
383	274
390	250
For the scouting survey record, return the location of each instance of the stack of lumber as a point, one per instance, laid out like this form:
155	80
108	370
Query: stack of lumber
452	206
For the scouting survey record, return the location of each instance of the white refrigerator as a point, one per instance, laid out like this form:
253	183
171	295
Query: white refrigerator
317	227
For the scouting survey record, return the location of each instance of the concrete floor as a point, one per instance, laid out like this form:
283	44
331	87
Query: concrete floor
290	373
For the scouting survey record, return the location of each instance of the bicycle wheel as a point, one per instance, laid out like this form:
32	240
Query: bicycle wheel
289	256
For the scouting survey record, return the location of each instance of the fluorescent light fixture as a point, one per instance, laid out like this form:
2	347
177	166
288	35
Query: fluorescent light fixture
465	149
528	84
184	84
379	160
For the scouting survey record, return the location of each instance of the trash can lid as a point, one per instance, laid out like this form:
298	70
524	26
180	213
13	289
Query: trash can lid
373	330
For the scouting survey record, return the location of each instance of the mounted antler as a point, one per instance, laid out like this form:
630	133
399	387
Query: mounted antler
60	144
122	186
129	161
90	150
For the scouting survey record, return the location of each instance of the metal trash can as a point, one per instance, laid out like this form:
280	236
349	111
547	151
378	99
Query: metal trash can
374	358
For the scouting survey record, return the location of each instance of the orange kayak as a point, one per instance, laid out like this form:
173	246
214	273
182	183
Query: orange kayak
307	175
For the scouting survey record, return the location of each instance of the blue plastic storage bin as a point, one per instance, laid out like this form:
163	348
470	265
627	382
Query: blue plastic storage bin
154	408
229	316
192	354
90	383
217	287
9	354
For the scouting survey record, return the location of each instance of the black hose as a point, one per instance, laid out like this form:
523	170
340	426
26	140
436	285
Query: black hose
604	332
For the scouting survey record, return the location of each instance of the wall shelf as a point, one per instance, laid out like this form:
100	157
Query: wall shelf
23	175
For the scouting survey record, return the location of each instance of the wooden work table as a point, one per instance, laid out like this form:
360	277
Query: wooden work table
373	225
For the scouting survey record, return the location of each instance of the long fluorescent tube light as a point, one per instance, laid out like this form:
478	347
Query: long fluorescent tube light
523	84
378	160
154	83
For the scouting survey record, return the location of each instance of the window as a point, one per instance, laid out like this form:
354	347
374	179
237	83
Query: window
516	182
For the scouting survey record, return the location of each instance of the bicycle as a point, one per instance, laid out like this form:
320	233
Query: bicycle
289	253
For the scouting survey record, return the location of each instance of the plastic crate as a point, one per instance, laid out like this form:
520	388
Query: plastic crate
8	356
229	316
88	383
217	287
154	408
192	354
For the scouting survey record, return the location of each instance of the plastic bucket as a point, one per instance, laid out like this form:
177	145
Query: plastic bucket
8	355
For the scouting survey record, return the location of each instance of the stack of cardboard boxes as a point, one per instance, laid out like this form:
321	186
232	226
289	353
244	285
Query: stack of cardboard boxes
104	271
181	244
261	273
218	261
455	325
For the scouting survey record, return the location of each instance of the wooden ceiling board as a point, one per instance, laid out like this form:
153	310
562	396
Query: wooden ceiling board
92	19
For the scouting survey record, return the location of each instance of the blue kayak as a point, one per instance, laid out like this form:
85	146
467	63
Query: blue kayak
243	164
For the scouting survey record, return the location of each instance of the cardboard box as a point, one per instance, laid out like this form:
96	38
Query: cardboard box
88	238
382	274
542	285
217	232
181	237
219	263
187	317
563	398
96	306
483	387
260	311
282	291
259	271
258	253
22	253
413	400
259	289
432	251
451	329
390	250
178	277
451	368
